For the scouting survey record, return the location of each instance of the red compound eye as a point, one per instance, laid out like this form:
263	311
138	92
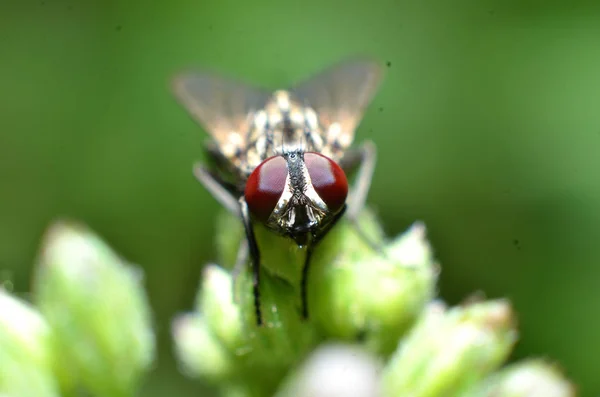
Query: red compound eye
265	186
328	179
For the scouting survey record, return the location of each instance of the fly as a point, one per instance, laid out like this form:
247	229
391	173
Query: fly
281	157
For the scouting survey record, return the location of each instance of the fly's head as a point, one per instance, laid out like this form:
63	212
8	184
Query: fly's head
296	193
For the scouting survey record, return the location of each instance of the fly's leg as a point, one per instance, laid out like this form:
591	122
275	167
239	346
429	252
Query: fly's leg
364	157
218	189
255	259
309	251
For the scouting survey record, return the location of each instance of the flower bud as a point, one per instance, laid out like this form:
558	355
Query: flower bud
221	342
278	343
371	294
25	351
199	352
96	305
449	350
335	370
530	378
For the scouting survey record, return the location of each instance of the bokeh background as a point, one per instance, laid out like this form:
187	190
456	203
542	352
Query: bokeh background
488	128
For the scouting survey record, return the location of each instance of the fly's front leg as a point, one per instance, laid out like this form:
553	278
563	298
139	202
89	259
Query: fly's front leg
309	251
255	258
218	189
364	157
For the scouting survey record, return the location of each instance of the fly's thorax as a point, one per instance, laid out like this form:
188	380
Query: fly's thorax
296	192
284	125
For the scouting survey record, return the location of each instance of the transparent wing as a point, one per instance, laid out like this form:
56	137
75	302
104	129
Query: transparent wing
222	106
340	94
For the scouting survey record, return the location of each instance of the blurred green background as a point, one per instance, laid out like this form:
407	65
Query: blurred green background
487	124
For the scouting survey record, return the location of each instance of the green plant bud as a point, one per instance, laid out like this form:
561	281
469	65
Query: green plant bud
264	353
215	302
228	235
530	378
335	370
199	352
357	292
449	350
25	350
97	308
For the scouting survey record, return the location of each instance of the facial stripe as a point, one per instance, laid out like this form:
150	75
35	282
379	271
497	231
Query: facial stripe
284	199
298	186
310	191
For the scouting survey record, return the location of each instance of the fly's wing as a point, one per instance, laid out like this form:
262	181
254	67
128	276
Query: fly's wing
340	95
222	106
